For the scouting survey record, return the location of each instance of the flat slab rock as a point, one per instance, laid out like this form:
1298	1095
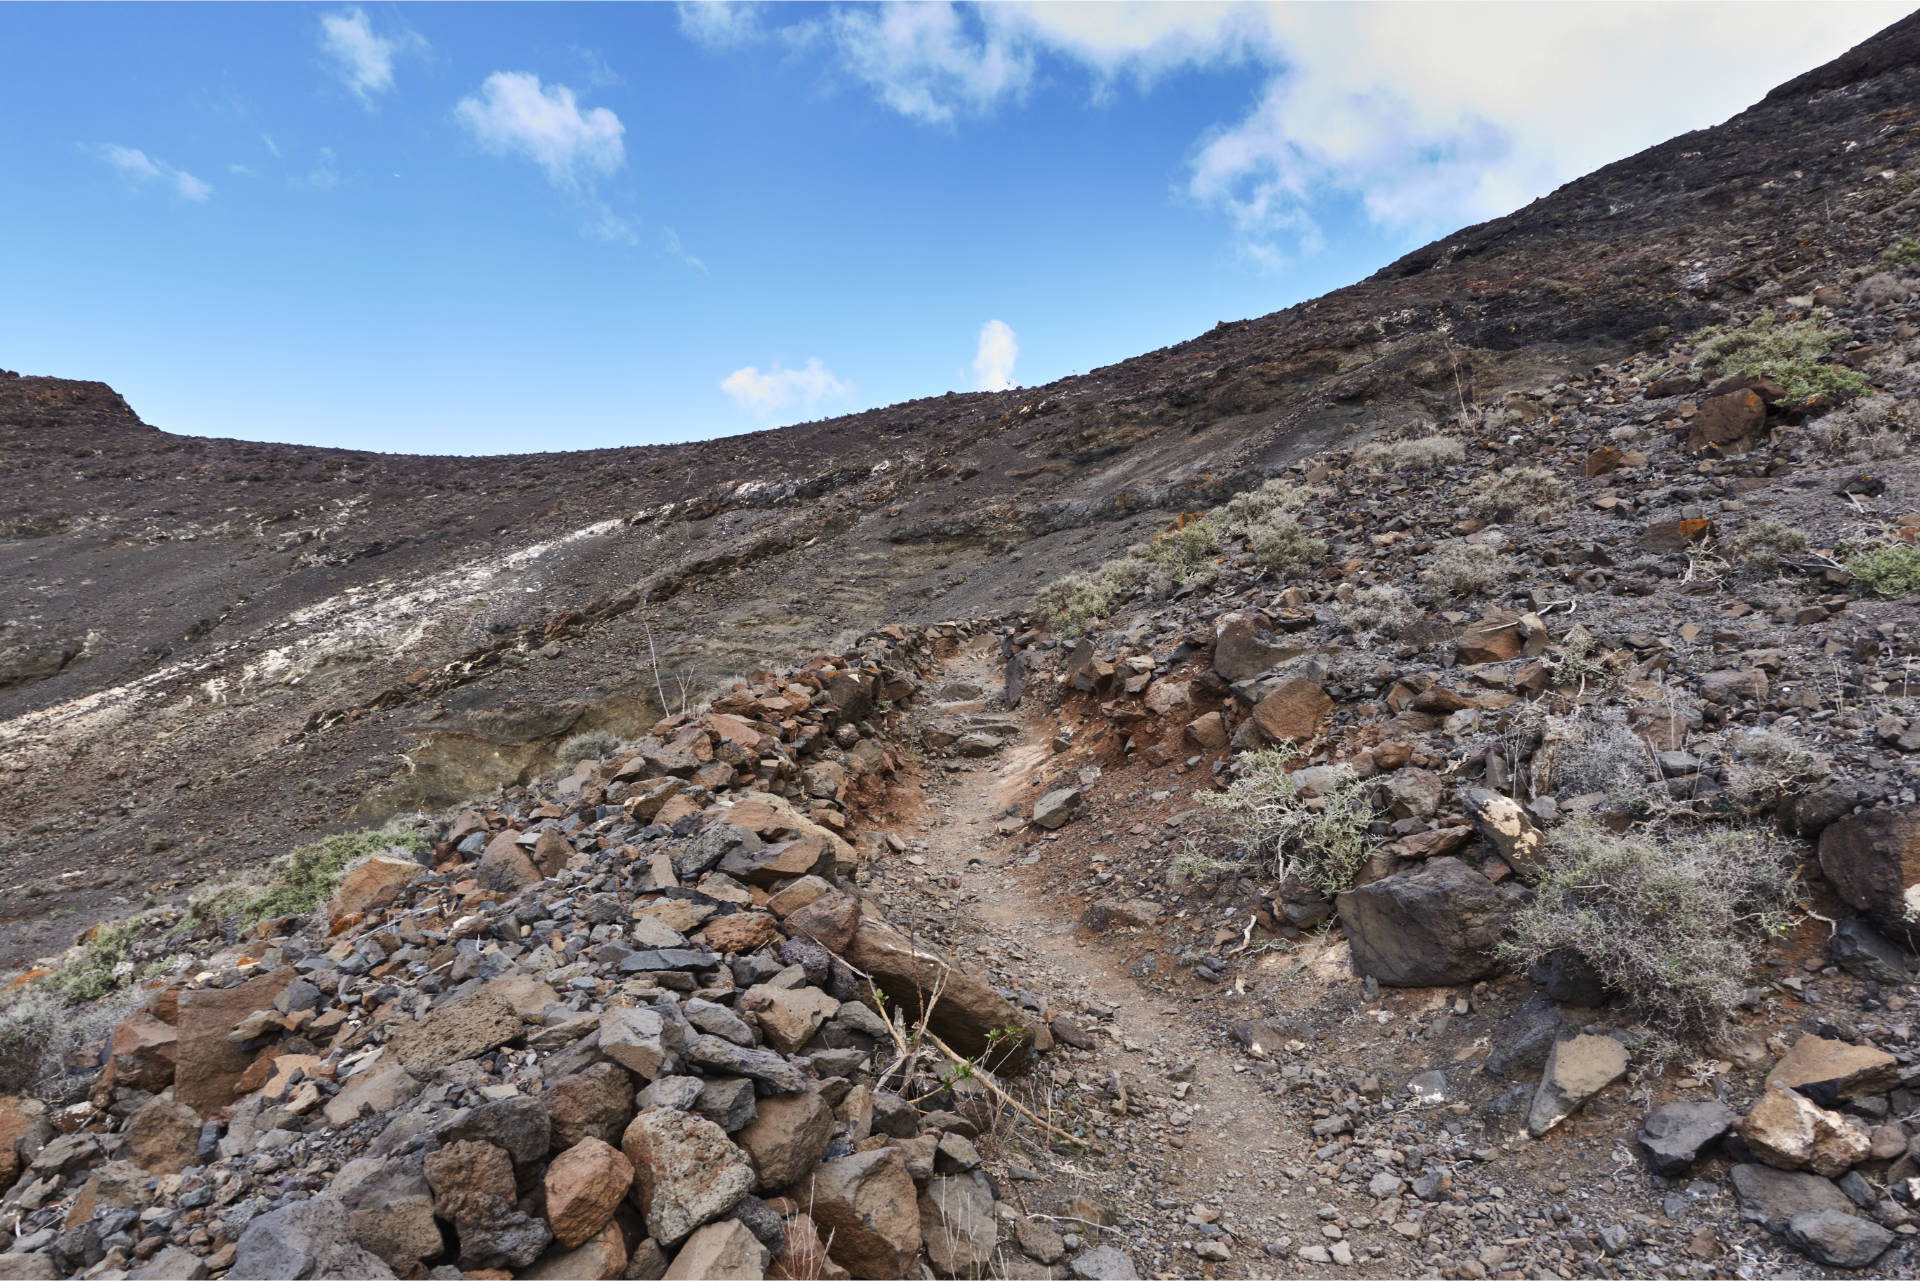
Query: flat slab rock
1674	1134
1771	1197
1577	1070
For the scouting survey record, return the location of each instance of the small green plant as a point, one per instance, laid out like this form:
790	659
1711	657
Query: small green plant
1761	546
311	873
1460	570
591	745
1077	601
1321	841
96	970
1891	570
1675	921
1904	254
1787	353
1181	553
1518	493
1382	610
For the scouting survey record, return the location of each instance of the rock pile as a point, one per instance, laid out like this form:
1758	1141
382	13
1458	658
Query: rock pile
637	1022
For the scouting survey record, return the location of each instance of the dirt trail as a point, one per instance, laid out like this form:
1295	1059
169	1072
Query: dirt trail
1199	1134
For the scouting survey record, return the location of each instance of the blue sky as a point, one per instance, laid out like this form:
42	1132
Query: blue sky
493	228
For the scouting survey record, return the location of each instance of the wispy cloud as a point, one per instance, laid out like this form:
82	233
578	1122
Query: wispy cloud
325	174
670	241
514	115
994	355
777	389
141	169
720	24
361	57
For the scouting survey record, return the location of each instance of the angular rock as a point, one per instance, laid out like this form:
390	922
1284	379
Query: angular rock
686	1172
1789	1131
1432	925
1208	732
473	1188
379	1086
1505	826
726	1101
144	1051
585	1184
1103	1263
518	1126
1771	1197
868	1211
772	1071
1827	1071
601	1257
830	920
788	1016
645	1041
163	1137
1293	712
1576	1070
956	1223
312	1238
373	885
1837	1239
786	1138
1056	807
1241	653
460	1029
1493	640
1675	1133
1727	423
1873	861
505	868
723	1249
207	1064
969	1010
391	1206
1865	953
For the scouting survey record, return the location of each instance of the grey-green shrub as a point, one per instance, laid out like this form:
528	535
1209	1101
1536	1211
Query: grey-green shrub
1675	920
1323	846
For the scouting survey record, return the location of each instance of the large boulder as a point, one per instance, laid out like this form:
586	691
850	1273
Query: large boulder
724	1249
1838	1239
969	1013
391	1207
1434	925
596	1102
867	1209
312	1238
1873	862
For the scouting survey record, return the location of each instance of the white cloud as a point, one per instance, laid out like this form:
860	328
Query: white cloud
932	62
361	58
720	24
993	358
140	168
777	390
1422	116
513	115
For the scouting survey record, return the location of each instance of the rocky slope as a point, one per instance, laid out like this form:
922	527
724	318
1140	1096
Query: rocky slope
192	621
1507	571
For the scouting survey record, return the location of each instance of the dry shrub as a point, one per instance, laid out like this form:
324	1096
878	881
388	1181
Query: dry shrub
1466	569
1518	493
1323	843
1381	610
1675	921
1429	453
